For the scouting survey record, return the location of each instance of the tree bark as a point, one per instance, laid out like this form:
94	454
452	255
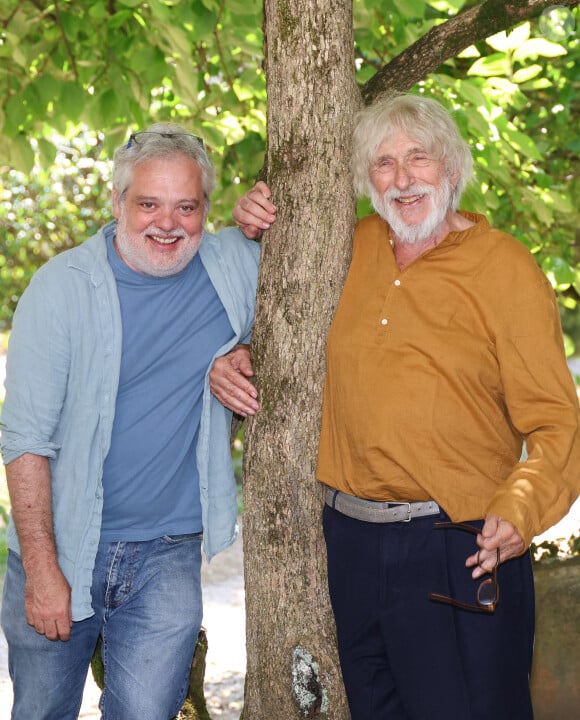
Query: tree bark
293	669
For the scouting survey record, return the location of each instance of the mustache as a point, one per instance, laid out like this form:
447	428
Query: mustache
154	230
416	189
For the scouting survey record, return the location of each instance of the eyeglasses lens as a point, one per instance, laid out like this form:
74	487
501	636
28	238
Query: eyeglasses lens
487	593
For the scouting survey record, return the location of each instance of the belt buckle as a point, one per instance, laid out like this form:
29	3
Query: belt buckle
408	518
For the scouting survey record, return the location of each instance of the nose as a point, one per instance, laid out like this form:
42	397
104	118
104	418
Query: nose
165	219
402	177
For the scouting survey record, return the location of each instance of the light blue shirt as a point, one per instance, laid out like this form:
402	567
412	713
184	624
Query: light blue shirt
62	376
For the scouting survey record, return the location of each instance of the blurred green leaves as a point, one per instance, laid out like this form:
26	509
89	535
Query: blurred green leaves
115	66
47	211
78	76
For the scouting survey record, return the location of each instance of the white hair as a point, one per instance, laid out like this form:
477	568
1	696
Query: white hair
422	119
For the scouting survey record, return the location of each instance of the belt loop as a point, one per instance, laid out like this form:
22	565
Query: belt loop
334	496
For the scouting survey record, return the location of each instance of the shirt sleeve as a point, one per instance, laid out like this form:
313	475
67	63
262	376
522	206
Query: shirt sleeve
541	401
36	374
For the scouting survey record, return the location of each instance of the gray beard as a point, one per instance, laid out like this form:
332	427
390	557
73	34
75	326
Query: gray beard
128	244
412	234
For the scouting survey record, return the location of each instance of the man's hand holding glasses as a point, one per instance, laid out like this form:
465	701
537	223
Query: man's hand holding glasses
498	541
496	534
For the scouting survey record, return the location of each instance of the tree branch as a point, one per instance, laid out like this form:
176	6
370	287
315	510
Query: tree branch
6	22
449	39
221	54
69	51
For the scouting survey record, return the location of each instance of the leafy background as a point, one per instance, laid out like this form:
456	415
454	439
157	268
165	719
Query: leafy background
78	76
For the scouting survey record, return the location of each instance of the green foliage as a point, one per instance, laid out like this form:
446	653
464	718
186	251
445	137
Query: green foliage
552	549
47	211
114	65
103	69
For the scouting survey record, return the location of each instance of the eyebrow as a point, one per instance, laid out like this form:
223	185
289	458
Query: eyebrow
154	198
412	151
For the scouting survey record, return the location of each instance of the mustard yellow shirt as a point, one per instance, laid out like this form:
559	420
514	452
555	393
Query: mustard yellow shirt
436	374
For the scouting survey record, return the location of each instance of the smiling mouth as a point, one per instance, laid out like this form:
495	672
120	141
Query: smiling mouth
163	240
409	200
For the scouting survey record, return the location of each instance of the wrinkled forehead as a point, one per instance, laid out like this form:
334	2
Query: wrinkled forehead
401	144
169	166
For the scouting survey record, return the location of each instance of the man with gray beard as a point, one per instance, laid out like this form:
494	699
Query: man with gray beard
444	356
117	455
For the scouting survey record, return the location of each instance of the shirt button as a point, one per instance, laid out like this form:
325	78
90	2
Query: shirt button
397	283
384	321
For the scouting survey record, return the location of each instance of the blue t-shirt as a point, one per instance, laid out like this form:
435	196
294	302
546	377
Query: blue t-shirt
172	327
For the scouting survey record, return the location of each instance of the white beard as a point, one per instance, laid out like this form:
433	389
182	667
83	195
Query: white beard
441	199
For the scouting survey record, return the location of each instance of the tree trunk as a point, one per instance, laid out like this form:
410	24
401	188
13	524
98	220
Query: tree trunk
293	669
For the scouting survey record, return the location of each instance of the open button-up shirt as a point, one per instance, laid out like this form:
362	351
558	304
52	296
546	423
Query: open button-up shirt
62	378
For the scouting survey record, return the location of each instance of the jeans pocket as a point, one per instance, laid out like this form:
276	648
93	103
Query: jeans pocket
182	539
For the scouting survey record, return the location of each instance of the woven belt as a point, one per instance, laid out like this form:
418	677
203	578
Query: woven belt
378	512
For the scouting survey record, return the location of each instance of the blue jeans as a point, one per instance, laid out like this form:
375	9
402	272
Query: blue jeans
148	610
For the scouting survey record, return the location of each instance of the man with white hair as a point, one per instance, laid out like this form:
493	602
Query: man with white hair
444	356
117	455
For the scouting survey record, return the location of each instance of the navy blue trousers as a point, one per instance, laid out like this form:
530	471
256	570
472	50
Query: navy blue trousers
405	657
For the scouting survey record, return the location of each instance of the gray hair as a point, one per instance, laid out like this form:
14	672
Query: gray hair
161	140
422	119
